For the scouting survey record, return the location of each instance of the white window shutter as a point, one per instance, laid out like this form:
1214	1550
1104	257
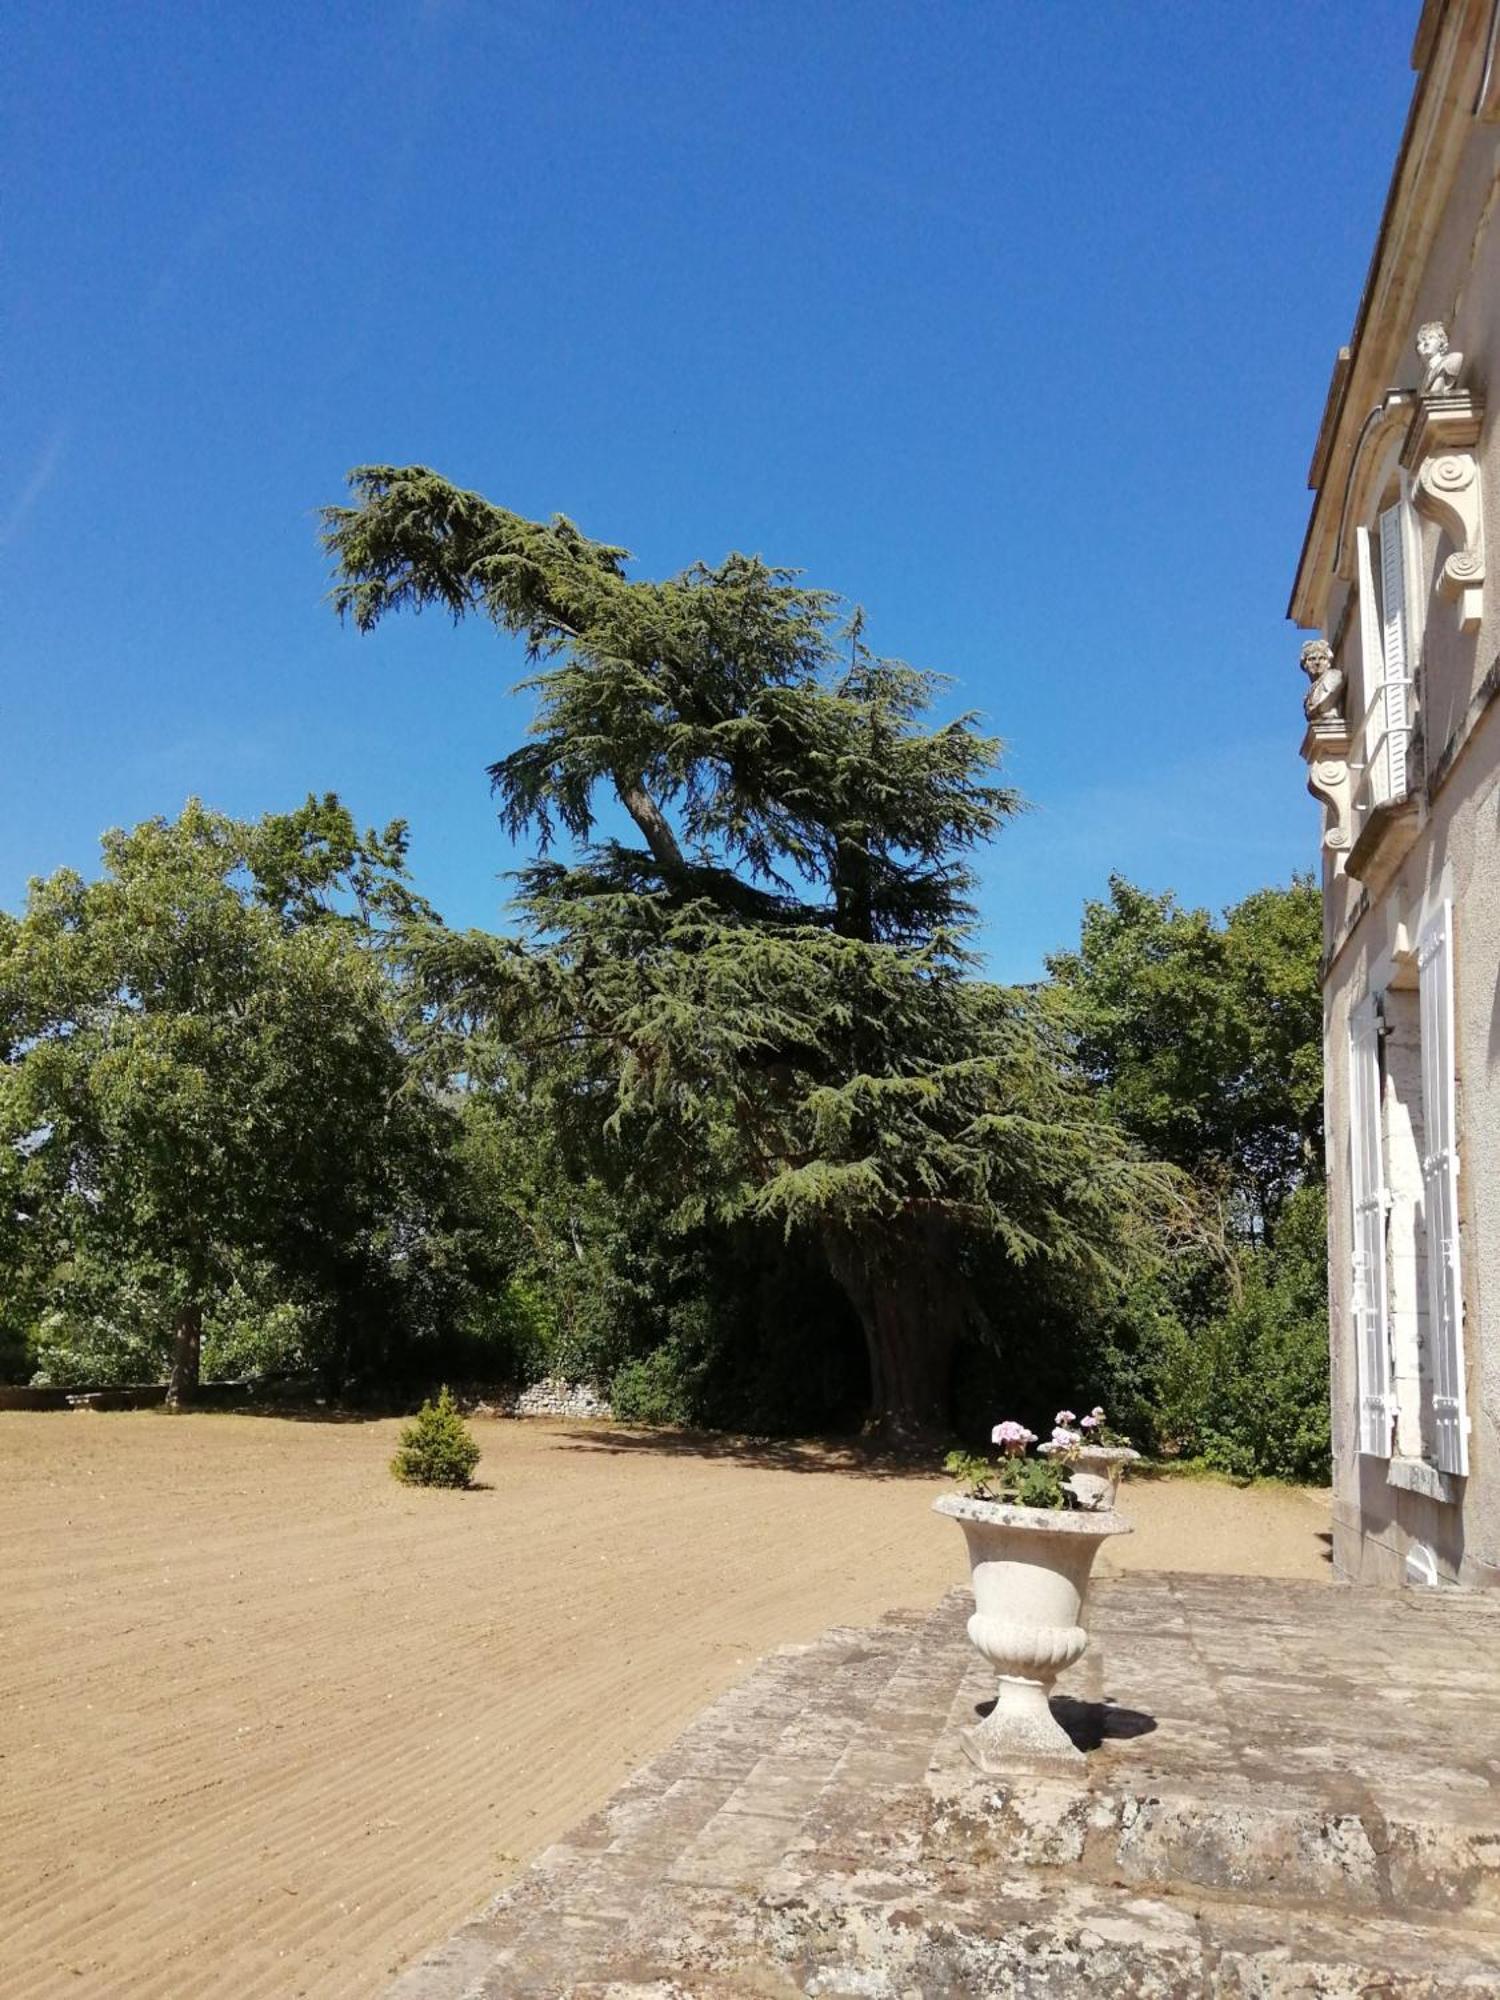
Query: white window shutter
1445	1304
1368	1201
1396	655
1372	668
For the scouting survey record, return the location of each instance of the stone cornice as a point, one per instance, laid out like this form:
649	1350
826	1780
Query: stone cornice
1454	49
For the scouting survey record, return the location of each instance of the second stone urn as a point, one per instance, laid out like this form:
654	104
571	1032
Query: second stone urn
1096	1469
1030	1570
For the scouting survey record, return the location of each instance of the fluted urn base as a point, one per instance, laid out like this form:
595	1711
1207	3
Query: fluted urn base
1020	1725
1030	1569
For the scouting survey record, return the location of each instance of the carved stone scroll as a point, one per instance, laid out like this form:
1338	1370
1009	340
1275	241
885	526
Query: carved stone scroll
1329	782
1448	490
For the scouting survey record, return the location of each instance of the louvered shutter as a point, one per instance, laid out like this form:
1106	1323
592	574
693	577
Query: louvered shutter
1372	666
1369	1201
1395	655
1445	1305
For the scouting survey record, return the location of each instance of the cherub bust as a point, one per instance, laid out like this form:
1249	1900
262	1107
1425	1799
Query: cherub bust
1324	700
1443	363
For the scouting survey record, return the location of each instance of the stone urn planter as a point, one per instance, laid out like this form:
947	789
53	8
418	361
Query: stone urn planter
1095	1478
1030	1570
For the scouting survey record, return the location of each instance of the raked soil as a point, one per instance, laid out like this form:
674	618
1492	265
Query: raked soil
270	1724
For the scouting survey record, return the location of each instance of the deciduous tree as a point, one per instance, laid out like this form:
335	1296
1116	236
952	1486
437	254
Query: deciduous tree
205	1089
1205	1036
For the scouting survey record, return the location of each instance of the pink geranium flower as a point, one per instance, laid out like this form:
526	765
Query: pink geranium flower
1012	1438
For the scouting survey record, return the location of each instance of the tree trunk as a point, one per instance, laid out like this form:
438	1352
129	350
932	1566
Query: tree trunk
182	1383
912	1305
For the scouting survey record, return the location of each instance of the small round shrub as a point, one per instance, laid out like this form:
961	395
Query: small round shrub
437	1447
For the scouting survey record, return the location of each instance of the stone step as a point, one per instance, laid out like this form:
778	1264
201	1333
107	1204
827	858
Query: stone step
1236	1845
899	1932
1130	1819
578	1896
765	1814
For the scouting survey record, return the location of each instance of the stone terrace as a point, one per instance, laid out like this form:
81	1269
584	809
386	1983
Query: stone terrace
1291	1789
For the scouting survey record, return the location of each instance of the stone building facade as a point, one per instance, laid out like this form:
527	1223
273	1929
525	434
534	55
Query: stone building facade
1400	578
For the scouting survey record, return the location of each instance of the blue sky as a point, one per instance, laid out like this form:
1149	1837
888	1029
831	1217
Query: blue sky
1012	321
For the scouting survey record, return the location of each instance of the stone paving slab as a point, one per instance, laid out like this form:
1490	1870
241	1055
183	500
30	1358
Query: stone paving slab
1288	1790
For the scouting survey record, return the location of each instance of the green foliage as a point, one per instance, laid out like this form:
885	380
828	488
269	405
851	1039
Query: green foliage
212	1126
573	1285
1032	1482
23	1291
16	1334
1205	1038
765	1011
122	1340
1016	1482
437	1447
741	1329
970	1471
511	1334
660	1388
251	1334
1205	1041
1248	1392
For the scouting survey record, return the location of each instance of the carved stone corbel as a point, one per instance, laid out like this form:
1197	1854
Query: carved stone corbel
1326	748
1448	491
1439	452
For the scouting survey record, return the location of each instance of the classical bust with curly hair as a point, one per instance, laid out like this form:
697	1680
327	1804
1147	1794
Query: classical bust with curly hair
1443	363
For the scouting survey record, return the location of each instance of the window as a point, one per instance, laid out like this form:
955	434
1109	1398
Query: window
1403	1178
1368	1198
1440	1192
1378	752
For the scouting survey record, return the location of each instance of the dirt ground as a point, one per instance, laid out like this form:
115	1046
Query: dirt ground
270	1724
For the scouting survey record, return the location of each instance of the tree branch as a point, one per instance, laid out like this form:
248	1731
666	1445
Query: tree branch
653	823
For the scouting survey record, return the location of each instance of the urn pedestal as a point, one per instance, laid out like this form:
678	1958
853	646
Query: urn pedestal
1030	1570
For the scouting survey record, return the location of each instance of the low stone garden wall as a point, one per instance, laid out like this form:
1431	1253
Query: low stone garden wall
128	1396
551	1397
144	1396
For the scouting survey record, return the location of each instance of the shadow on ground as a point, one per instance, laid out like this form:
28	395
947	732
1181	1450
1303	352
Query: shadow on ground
1091	1723
299	1413
846	1455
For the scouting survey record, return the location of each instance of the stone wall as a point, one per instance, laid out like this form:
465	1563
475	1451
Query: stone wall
142	1396
551	1397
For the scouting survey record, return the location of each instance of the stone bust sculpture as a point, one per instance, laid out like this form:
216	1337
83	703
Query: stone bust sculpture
1443	363
1324	700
